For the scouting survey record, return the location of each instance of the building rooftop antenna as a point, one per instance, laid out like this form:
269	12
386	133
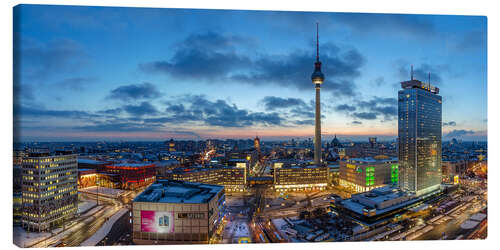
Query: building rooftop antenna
429	80
411	72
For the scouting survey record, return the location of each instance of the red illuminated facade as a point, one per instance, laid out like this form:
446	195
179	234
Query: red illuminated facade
133	175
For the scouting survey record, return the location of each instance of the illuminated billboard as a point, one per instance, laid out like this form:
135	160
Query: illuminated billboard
157	221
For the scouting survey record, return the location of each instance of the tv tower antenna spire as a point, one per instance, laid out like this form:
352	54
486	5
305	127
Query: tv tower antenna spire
317	42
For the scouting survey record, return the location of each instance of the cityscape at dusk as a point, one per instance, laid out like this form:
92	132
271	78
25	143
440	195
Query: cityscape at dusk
94	73
151	126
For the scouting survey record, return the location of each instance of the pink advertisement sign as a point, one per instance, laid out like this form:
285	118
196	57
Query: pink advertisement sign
157	221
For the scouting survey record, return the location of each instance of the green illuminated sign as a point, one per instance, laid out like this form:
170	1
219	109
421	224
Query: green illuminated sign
370	176
394	173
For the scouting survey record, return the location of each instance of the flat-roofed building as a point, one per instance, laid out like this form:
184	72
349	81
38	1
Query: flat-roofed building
300	178
376	205
177	212
234	179
133	175
419	137
49	189
364	174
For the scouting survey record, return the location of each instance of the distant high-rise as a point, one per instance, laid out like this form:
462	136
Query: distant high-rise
171	145
317	78
419	132
256	143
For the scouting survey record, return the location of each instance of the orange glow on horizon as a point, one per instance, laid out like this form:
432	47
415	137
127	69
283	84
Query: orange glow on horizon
228	133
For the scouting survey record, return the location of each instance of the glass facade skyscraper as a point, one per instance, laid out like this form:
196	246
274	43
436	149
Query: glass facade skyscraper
419	133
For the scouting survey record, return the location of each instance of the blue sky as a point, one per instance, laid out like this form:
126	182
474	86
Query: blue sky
100	73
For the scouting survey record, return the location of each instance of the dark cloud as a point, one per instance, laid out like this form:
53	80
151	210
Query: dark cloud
305	122
345	107
273	102
201	57
197	108
135	92
119	127
205	56
293	107
365	115
304	112
114	111
459	133
450	123
356	122
145	108
377	107
220	113
294	69
29	111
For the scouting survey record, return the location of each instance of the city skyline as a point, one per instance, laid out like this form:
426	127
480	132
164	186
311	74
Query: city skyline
139	126
155	74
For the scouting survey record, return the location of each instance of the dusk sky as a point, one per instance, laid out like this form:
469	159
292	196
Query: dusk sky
99	73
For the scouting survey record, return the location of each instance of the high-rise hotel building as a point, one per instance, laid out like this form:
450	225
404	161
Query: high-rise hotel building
419	132
49	189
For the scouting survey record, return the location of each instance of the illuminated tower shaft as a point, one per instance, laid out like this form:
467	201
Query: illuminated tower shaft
317	78
317	131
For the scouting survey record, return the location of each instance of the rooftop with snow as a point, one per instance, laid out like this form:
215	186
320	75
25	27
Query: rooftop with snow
170	191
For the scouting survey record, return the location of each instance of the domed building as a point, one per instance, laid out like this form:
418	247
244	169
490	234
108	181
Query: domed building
335	142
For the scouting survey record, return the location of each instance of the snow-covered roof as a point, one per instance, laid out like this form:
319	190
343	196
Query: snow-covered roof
478	217
169	191
372	160
90	161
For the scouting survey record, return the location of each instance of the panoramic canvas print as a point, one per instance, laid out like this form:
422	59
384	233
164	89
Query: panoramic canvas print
158	126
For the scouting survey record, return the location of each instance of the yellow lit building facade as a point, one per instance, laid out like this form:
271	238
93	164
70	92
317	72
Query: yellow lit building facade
365	174
296	178
234	179
49	190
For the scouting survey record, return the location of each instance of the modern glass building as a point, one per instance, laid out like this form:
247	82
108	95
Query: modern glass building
419	132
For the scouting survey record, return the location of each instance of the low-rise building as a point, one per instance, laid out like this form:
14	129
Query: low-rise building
177	212
298	178
364	174
234	179
132	175
87	177
377	204
451	169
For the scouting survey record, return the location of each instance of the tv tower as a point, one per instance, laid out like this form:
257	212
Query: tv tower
317	78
